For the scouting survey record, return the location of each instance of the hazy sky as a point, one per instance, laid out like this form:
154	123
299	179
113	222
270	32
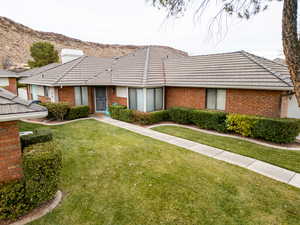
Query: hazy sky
137	22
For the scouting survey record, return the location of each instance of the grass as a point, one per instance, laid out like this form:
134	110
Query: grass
280	157
115	177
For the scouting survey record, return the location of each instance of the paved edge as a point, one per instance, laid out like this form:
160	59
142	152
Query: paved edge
266	169
42	212
225	135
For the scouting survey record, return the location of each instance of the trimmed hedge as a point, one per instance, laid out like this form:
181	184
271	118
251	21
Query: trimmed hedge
77	112
39	136
180	115
41	166
213	120
276	130
56	110
151	117
13	200
269	129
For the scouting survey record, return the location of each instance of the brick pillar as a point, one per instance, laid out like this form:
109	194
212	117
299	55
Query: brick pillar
10	152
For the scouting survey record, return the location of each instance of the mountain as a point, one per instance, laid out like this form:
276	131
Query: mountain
16	39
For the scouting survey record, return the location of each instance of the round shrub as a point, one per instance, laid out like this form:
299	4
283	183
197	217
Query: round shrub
56	110
41	167
241	124
77	112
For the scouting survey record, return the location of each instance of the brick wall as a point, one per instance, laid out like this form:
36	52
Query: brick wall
12	87
112	97
185	97
255	102
66	94
10	152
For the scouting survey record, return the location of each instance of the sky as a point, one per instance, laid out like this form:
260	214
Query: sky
136	22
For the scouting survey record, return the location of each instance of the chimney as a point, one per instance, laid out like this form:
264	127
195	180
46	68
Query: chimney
68	55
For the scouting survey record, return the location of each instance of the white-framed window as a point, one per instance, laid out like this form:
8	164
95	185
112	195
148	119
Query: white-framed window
121	92
215	98
146	99
4	82
136	99
154	99
81	96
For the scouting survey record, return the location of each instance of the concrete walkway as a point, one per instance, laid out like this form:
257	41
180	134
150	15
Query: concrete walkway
266	169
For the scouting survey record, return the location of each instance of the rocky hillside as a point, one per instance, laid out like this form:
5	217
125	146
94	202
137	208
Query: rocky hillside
16	39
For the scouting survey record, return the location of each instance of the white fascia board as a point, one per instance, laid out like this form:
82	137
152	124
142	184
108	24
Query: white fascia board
19	116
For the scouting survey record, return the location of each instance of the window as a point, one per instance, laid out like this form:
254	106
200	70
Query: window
154	99
81	96
46	91
215	99
4	82
136	99
122	92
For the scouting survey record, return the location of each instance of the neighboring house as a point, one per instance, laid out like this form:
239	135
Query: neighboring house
8	80
25	94
13	108
155	78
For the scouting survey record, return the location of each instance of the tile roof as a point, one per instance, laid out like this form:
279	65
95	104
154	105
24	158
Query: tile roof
6	73
37	70
12	104
154	66
72	73
227	70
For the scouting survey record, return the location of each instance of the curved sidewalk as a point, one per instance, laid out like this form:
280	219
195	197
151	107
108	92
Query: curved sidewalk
266	169
226	135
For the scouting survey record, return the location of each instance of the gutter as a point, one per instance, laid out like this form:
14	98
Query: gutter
18	116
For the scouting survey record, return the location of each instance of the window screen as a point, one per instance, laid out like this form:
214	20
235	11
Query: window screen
81	96
215	99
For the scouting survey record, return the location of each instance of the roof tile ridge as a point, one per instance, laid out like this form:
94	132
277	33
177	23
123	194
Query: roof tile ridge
146	68
65	73
274	73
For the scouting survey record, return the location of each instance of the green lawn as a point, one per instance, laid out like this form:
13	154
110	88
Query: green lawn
115	177
280	157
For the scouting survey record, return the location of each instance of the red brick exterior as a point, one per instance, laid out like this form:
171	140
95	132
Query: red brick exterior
12	85
66	94
185	97
112	97
255	102
10	152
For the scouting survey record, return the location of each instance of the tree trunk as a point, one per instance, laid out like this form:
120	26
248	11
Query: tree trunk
291	43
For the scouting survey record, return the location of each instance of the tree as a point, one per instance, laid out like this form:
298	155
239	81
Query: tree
43	53
245	9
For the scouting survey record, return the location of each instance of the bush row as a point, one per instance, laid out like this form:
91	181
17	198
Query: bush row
62	110
120	112
271	129
41	167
